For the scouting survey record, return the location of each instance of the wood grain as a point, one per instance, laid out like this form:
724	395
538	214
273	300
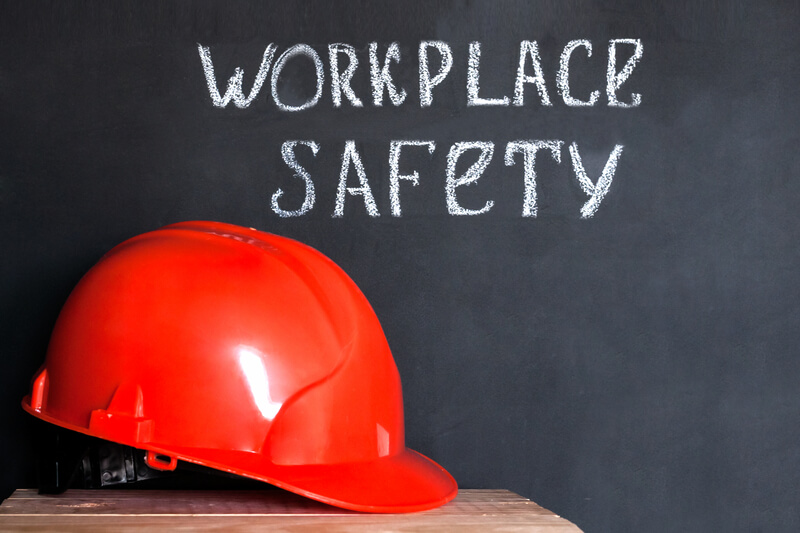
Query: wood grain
116	510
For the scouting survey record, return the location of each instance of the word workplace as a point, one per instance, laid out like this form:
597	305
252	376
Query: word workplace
342	64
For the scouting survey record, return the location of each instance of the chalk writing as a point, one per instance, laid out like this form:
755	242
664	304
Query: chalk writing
598	190
394	171
349	156
528	150
381	77
298	50
562	78
435	61
287	151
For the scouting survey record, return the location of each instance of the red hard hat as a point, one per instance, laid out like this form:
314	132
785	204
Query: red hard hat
241	351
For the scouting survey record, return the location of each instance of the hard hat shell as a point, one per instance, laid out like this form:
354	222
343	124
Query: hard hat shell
242	351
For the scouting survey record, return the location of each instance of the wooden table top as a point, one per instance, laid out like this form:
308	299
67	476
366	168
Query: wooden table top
254	510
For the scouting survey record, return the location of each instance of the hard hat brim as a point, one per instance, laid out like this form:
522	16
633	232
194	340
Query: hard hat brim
401	483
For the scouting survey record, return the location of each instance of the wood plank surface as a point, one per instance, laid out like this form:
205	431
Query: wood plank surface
276	510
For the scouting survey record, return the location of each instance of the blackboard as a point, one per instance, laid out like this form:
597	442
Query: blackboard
630	364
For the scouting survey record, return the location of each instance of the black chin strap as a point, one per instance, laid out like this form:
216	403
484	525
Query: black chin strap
67	459
71	460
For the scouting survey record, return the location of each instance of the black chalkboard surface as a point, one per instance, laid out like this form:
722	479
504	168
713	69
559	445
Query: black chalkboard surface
577	221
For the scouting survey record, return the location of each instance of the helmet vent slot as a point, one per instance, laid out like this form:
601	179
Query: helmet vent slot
160	461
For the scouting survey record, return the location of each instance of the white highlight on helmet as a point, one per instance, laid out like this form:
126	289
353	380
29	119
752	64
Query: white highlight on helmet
256	374
384	441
